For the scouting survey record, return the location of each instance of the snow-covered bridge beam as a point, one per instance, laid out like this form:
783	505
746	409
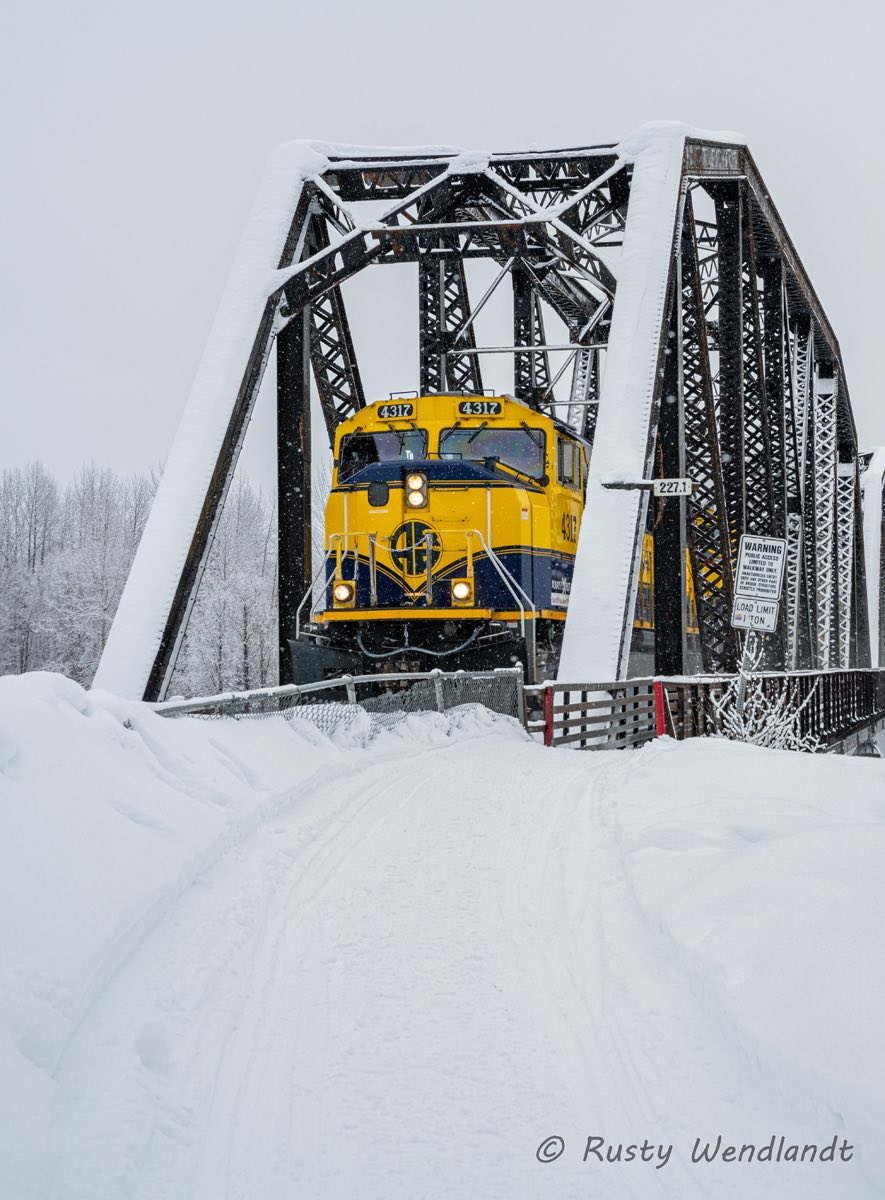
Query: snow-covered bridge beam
769	438
671	269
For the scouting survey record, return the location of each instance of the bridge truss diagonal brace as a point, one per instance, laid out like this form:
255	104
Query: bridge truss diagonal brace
165	573
597	635
520	211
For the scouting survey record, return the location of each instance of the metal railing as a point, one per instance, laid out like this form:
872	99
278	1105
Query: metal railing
594	716
332	701
830	707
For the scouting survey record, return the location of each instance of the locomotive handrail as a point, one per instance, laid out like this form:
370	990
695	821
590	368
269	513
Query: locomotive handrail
309	591
504	573
373	572
525	605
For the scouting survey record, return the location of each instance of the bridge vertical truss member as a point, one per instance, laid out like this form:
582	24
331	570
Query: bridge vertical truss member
872	533
666	264
767	434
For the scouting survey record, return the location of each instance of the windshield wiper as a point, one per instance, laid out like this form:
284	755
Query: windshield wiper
537	435
505	466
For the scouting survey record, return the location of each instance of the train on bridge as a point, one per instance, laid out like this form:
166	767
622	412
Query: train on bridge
451	529
646	310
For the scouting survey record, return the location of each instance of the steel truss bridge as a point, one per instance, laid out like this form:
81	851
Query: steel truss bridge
694	345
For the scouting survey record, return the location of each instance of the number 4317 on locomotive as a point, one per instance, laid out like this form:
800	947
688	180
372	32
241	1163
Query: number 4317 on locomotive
451	529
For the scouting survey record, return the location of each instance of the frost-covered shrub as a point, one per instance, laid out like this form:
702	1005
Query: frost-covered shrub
762	719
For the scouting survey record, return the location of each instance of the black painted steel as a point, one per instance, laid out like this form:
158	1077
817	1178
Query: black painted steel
752	344
709	527
293	479
669	604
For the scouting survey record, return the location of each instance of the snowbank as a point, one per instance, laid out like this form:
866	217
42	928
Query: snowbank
108	814
762	874
244	959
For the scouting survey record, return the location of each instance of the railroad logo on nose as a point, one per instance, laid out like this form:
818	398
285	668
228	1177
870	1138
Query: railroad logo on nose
409	544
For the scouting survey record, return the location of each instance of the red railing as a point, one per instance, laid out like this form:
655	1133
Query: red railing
593	716
831	706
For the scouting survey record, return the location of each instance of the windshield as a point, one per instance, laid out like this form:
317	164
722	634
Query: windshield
521	449
360	450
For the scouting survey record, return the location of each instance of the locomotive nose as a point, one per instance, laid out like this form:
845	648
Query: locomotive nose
414	546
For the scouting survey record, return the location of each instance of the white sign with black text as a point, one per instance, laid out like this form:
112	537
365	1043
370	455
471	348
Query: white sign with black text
755	614
760	569
758	583
671	487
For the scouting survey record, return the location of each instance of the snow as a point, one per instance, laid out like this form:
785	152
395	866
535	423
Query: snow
603	585
608	550
346	153
650	132
607	563
147	598
243	959
473	162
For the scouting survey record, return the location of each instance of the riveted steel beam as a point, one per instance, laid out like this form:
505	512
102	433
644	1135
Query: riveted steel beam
764	424
708	526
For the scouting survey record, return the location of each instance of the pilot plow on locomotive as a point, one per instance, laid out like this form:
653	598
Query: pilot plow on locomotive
450	535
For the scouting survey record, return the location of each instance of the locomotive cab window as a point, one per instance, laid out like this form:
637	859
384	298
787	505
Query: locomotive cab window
360	450
521	449
568	463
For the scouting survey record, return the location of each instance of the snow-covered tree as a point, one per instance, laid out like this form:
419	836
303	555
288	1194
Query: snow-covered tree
748	712
64	557
231	636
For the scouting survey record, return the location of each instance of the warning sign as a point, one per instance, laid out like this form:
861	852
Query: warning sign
760	569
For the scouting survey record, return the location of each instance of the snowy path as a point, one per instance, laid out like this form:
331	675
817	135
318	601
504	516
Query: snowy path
399	987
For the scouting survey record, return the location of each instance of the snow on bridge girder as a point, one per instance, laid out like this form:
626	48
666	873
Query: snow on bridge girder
597	633
668	161
665	158
162	584
180	505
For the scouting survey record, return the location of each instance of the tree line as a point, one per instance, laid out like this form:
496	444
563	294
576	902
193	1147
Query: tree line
65	552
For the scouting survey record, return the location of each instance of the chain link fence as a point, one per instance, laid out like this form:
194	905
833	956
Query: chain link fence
365	704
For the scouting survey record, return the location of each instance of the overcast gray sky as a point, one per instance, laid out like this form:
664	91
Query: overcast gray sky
134	137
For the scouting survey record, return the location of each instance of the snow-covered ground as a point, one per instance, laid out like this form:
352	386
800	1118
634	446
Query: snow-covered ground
239	959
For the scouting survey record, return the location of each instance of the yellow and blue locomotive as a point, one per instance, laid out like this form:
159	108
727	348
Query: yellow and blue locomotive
450	536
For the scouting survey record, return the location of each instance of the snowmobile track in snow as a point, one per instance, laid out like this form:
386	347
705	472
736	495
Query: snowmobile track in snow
408	977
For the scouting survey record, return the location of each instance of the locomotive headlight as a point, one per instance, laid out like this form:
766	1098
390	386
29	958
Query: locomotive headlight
416	490
462	591
343	593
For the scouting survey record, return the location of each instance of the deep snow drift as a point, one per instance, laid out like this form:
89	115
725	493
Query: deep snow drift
239	959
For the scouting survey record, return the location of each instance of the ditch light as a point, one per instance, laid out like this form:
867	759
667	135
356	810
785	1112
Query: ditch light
462	592
343	593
